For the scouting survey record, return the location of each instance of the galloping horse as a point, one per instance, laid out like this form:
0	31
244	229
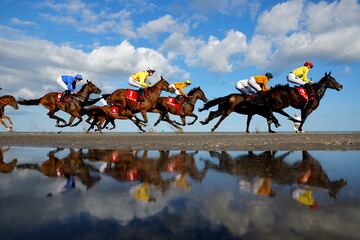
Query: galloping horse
7	100
74	104
151	96
187	108
242	104
281	97
107	113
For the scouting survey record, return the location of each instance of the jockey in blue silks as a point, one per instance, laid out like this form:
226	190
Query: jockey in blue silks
68	83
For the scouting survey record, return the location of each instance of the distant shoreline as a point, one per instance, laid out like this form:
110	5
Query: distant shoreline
187	141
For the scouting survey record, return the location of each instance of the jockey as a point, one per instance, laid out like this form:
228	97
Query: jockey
299	75
255	83
304	196
68	83
179	88
139	79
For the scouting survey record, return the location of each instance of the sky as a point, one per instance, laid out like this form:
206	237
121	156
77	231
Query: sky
212	43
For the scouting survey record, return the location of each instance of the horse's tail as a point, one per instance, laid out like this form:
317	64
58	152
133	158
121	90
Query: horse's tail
28	166
213	102
29	102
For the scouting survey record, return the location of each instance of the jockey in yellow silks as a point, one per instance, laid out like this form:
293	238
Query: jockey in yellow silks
299	75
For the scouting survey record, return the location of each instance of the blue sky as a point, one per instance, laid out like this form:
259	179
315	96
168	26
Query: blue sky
213	43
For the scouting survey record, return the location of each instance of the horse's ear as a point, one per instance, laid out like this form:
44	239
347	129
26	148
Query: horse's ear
87	81
330	73
326	74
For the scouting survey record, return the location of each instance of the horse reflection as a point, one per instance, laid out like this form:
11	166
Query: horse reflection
6	167
70	166
305	173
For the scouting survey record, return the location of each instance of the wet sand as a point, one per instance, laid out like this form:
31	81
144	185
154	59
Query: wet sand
188	141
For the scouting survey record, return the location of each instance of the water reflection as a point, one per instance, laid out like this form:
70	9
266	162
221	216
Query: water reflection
257	171
175	193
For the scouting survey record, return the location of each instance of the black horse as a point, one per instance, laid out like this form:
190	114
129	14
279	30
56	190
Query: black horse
242	104
283	96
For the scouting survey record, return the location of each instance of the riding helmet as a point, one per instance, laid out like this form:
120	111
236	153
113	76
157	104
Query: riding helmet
78	76
188	81
269	75
309	64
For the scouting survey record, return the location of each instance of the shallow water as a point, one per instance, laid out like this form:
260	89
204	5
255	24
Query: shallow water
120	194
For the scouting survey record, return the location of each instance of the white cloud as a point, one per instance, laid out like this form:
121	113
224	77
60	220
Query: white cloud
32	65
17	21
323	31
224	6
162	24
215	54
281	19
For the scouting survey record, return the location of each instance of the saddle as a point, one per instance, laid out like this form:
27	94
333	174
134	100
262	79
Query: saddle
58	97
171	101
307	92
134	96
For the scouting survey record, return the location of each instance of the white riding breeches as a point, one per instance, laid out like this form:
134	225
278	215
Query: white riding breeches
134	83
177	92
294	79
243	87
254	84
61	83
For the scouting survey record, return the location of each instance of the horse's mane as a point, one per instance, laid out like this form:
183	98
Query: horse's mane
280	87
82	88
191	92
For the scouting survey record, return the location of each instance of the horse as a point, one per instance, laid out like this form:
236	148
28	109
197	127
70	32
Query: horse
6	167
74	104
118	97
187	108
283	96
4	101
242	104
107	113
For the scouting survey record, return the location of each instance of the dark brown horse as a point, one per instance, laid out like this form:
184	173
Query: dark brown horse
187	108
74	104
102	114
242	104
281	97
4	101
151	96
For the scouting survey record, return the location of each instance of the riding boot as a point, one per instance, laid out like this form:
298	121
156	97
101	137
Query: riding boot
64	94
140	93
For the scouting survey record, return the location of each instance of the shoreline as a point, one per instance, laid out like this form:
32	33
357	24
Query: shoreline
187	141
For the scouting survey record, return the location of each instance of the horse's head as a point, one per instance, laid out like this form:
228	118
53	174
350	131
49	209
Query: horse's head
164	85
92	87
13	103
198	93
336	186
330	82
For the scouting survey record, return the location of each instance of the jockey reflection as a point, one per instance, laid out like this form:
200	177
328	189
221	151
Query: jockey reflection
71	167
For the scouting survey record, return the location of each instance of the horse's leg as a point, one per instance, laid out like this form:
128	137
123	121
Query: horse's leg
212	115
168	120
194	116
77	115
52	115
282	112
182	120
304	114
249	117
144	115
3	123
161	117
137	124
69	123
220	120
7	118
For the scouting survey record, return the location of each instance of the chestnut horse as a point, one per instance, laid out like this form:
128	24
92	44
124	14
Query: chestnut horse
187	108
74	104
151	96
4	101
